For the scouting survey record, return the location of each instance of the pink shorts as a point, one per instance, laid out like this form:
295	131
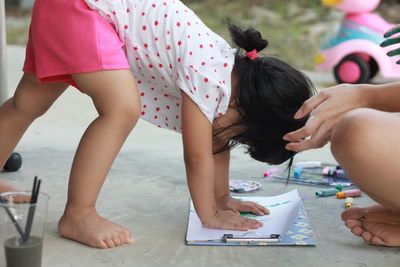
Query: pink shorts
66	37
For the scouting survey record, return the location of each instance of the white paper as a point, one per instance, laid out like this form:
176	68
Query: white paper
283	213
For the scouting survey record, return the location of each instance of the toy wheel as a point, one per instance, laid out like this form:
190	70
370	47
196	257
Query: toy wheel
373	68
13	163
352	69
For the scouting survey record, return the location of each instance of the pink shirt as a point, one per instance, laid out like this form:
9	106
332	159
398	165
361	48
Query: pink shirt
170	49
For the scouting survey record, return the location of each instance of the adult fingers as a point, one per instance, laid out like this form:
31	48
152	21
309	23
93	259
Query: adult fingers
310	104
307	130
319	139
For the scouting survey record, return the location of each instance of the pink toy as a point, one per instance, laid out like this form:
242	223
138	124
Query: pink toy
354	53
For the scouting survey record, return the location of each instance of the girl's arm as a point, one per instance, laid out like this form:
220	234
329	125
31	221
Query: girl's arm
222	194
200	171
199	162
221	163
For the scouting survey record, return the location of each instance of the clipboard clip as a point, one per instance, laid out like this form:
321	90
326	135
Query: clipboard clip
230	238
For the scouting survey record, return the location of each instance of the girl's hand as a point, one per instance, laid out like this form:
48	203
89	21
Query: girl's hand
237	206
229	220
391	41
325	110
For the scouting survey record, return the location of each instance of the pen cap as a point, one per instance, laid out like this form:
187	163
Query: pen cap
328	170
298	171
339	187
340	195
348	203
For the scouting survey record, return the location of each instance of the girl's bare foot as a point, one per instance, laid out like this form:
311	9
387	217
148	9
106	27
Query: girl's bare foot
375	224
89	228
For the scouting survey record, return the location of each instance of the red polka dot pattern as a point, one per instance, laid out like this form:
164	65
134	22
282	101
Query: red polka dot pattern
170	50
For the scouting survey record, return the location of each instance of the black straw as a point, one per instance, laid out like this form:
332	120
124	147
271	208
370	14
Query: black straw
32	208
13	220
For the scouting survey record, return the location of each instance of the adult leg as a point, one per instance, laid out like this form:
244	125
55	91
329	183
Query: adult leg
366	144
30	101
116	99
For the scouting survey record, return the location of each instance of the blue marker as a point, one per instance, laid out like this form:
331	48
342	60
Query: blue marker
327	192
297	172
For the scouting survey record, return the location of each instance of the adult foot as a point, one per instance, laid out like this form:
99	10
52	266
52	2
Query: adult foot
376	224
91	229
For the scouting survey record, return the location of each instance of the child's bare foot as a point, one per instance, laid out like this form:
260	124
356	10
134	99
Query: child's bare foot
91	229
375	224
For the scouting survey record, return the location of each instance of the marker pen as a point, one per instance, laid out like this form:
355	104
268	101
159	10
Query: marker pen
340	174
297	172
348	193
348	203
329	170
308	164
327	192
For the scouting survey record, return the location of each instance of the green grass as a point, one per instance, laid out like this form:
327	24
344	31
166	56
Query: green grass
17	35
287	38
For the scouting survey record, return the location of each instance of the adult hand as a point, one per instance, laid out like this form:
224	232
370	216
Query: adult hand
325	109
391	41
237	206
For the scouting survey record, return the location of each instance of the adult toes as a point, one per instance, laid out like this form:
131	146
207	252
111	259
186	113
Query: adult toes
353	223
375	240
354	213
367	236
357	230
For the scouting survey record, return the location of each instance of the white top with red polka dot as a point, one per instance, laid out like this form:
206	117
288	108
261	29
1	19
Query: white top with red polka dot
170	48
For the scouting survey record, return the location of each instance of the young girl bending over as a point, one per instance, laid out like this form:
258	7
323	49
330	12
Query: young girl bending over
188	79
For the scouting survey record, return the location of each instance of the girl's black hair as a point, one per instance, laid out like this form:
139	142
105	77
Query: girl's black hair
269	93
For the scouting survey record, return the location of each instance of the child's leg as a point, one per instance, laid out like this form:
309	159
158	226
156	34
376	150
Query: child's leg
117	101
366	144
5	187
31	100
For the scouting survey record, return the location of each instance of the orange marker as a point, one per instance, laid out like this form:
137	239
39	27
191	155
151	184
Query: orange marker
348	193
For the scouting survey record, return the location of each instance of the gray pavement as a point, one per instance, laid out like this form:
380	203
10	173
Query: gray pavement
146	192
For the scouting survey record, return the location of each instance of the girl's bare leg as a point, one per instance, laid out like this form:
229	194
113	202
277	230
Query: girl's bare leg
30	101
116	99
366	144
6	187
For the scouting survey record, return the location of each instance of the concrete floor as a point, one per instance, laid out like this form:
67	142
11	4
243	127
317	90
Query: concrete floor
146	192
